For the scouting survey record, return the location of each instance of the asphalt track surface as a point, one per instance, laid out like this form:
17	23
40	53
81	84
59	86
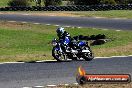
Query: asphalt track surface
41	74
121	24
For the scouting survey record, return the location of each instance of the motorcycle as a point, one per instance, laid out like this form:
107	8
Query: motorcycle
75	50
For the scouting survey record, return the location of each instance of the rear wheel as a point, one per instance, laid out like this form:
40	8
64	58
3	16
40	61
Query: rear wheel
58	55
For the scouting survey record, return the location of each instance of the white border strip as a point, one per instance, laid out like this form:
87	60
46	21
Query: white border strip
24	22
45	60
51	85
48	24
66	84
52	15
79	27
75	83
108	18
36	23
56	25
105	29
11	21
26	14
122	56
67	26
38	87
118	30
130	55
99	17
112	57
101	57
12	63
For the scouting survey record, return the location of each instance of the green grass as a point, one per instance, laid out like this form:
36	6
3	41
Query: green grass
29	42
3	3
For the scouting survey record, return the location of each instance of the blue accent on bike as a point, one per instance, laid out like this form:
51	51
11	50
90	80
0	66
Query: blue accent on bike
82	43
57	48
66	41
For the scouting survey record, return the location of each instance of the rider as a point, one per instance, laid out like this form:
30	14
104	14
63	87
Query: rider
63	36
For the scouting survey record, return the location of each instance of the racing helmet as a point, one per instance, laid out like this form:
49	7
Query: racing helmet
60	30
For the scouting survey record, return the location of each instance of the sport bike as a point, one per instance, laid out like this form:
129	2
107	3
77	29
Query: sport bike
71	49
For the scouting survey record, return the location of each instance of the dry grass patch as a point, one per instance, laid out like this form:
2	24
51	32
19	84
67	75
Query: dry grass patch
119	50
25	57
14	25
44	13
108	14
55	14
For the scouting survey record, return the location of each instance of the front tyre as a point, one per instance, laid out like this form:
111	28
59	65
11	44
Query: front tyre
88	56
58	55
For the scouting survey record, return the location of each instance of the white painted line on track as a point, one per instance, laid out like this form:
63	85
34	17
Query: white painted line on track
52	15
35	87
51	85
110	18
36	23
24	22
79	27
26	14
111	57
99	17
118	30
105	29
11	21
56	25
130	55
47	24
101	57
116	18
67	26
73	27
13	62
45	60
38	87
66	84
75	83
119	56
50	60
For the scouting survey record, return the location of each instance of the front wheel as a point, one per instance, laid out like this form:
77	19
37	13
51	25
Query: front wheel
58	55
88	56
